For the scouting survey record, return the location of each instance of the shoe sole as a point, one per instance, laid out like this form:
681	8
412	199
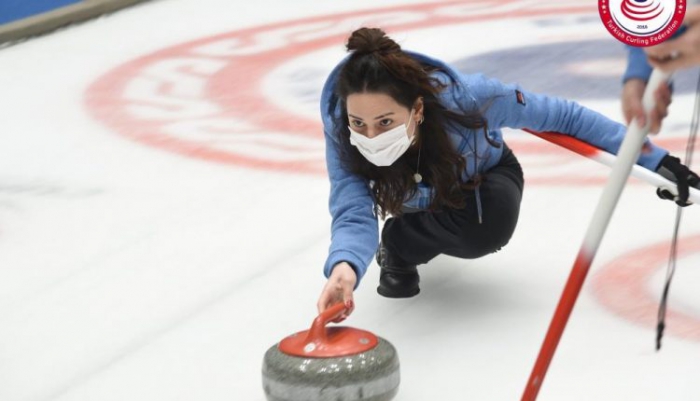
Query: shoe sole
392	294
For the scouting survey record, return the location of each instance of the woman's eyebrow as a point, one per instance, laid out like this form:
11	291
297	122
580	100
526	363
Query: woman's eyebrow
376	118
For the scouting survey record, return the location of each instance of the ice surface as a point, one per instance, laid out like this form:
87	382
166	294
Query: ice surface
131	272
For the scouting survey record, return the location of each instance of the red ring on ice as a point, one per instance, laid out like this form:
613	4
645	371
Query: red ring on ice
623	287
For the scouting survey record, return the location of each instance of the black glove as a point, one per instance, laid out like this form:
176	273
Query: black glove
672	169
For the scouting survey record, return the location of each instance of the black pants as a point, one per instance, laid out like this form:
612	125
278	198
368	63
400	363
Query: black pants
416	238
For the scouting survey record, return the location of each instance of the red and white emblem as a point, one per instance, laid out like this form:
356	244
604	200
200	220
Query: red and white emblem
642	22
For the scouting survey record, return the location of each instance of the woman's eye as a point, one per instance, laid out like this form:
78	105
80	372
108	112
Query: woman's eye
386	122
357	123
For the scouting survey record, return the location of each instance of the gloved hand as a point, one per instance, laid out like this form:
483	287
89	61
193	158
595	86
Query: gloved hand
672	169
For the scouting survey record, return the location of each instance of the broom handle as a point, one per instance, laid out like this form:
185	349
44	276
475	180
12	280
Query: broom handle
626	158
601	156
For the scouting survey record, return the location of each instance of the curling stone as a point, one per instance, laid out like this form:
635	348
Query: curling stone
331	364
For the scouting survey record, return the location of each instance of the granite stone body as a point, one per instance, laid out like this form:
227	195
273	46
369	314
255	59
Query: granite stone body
368	376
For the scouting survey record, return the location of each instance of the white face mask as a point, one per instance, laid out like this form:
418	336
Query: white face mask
385	148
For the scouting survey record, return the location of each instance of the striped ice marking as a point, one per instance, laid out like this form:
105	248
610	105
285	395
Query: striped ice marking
356	391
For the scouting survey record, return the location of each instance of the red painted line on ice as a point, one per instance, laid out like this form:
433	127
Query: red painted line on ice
237	85
244	127
623	287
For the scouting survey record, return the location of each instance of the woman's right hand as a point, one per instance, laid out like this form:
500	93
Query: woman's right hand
339	288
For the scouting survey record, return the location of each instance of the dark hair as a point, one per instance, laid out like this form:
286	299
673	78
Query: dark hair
378	65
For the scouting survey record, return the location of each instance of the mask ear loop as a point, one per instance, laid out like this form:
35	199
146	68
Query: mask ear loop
417	177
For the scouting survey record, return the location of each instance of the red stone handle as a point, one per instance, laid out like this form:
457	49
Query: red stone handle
317	333
328	342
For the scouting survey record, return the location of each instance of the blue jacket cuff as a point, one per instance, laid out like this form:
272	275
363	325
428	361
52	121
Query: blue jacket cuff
651	156
356	263
637	65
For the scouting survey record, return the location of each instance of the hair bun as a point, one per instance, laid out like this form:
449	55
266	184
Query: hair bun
371	40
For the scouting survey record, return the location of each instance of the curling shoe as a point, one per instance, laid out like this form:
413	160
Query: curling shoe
396	281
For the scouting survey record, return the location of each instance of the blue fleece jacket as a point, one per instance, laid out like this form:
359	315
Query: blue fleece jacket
354	228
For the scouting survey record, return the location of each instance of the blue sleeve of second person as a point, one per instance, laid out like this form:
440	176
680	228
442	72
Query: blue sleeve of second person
637	65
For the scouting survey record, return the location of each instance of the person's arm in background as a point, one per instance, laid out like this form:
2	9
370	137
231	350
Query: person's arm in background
681	51
634	83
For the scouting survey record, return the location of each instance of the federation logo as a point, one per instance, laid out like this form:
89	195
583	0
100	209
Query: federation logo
642	23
